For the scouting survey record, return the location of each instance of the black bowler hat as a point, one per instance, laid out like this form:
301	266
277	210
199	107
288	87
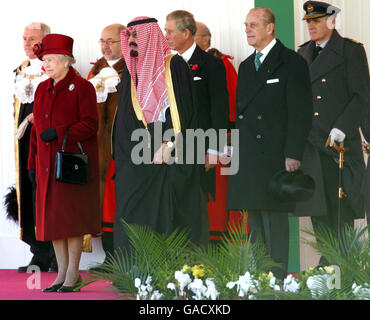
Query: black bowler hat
291	186
317	9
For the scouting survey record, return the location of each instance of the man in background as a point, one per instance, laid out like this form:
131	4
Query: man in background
105	76
27	77
273	115
209	78
340	87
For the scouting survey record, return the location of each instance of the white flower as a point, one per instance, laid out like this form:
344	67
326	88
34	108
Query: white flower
156	295
290	285
148	280
171	286
273	284
317	285
245	284
198	288
230	285
137	283
362	293
211	292
183	280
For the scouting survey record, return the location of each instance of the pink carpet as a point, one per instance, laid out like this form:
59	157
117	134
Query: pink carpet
23	286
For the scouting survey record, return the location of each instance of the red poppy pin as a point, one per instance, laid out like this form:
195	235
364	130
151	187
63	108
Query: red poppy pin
194	67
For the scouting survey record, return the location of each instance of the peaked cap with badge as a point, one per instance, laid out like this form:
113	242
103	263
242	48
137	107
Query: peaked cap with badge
318	9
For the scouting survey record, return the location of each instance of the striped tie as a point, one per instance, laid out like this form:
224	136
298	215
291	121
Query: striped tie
257	61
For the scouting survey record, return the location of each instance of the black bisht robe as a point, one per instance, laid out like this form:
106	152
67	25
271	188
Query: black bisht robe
164	197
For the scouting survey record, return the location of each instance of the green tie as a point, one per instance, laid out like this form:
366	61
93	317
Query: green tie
257	61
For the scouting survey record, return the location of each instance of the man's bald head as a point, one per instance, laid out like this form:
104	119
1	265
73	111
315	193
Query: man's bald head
203	36
110	41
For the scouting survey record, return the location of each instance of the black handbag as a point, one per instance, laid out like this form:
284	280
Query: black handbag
71	167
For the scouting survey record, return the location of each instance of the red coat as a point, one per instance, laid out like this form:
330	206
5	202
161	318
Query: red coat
65	210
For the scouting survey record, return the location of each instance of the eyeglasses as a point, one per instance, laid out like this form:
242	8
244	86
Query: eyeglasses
108	42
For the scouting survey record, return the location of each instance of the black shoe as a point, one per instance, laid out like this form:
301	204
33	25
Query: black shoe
53	288
74	288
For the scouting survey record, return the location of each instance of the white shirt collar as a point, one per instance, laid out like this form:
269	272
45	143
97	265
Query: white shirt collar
188	53
323	44
112	62
265	51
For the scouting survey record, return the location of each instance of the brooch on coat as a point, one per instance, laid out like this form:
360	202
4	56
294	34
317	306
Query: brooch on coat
71	87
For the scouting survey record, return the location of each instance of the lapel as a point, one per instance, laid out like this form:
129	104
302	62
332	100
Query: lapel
197	60
257	79
329	58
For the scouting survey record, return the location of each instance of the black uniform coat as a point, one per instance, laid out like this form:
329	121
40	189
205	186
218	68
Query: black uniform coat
209	76
163	197
273	115
340	87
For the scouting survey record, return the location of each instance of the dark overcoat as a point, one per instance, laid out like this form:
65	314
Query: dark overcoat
340	88
65	210
209	78
273	115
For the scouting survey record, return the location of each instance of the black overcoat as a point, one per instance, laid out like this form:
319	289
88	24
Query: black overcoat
274	112
340	88
209	78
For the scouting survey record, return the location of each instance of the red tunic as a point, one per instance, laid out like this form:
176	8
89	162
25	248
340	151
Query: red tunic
219	217
65	210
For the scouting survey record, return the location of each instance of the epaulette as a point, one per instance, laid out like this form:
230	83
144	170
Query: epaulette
354	41
303	44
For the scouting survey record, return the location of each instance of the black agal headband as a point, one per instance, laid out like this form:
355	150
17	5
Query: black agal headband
134	23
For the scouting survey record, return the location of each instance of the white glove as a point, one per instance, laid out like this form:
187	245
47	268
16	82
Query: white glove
22	129
336	135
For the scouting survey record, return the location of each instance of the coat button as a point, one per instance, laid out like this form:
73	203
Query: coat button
318	97
241	117
46	116
259	117
316	114
47	169
259	136
47	143
323	80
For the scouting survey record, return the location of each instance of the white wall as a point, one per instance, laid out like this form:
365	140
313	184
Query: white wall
83	21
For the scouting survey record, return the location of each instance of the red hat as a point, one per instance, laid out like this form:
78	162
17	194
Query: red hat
54	44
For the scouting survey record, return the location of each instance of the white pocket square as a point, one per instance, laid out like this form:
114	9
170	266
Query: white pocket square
197	78
272	81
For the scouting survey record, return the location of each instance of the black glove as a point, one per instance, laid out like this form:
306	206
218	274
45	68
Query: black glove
49	134
32	176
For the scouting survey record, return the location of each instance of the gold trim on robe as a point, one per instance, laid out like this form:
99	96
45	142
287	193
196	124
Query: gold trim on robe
17	108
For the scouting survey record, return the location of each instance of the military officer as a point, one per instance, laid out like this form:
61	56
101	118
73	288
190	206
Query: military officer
340	87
